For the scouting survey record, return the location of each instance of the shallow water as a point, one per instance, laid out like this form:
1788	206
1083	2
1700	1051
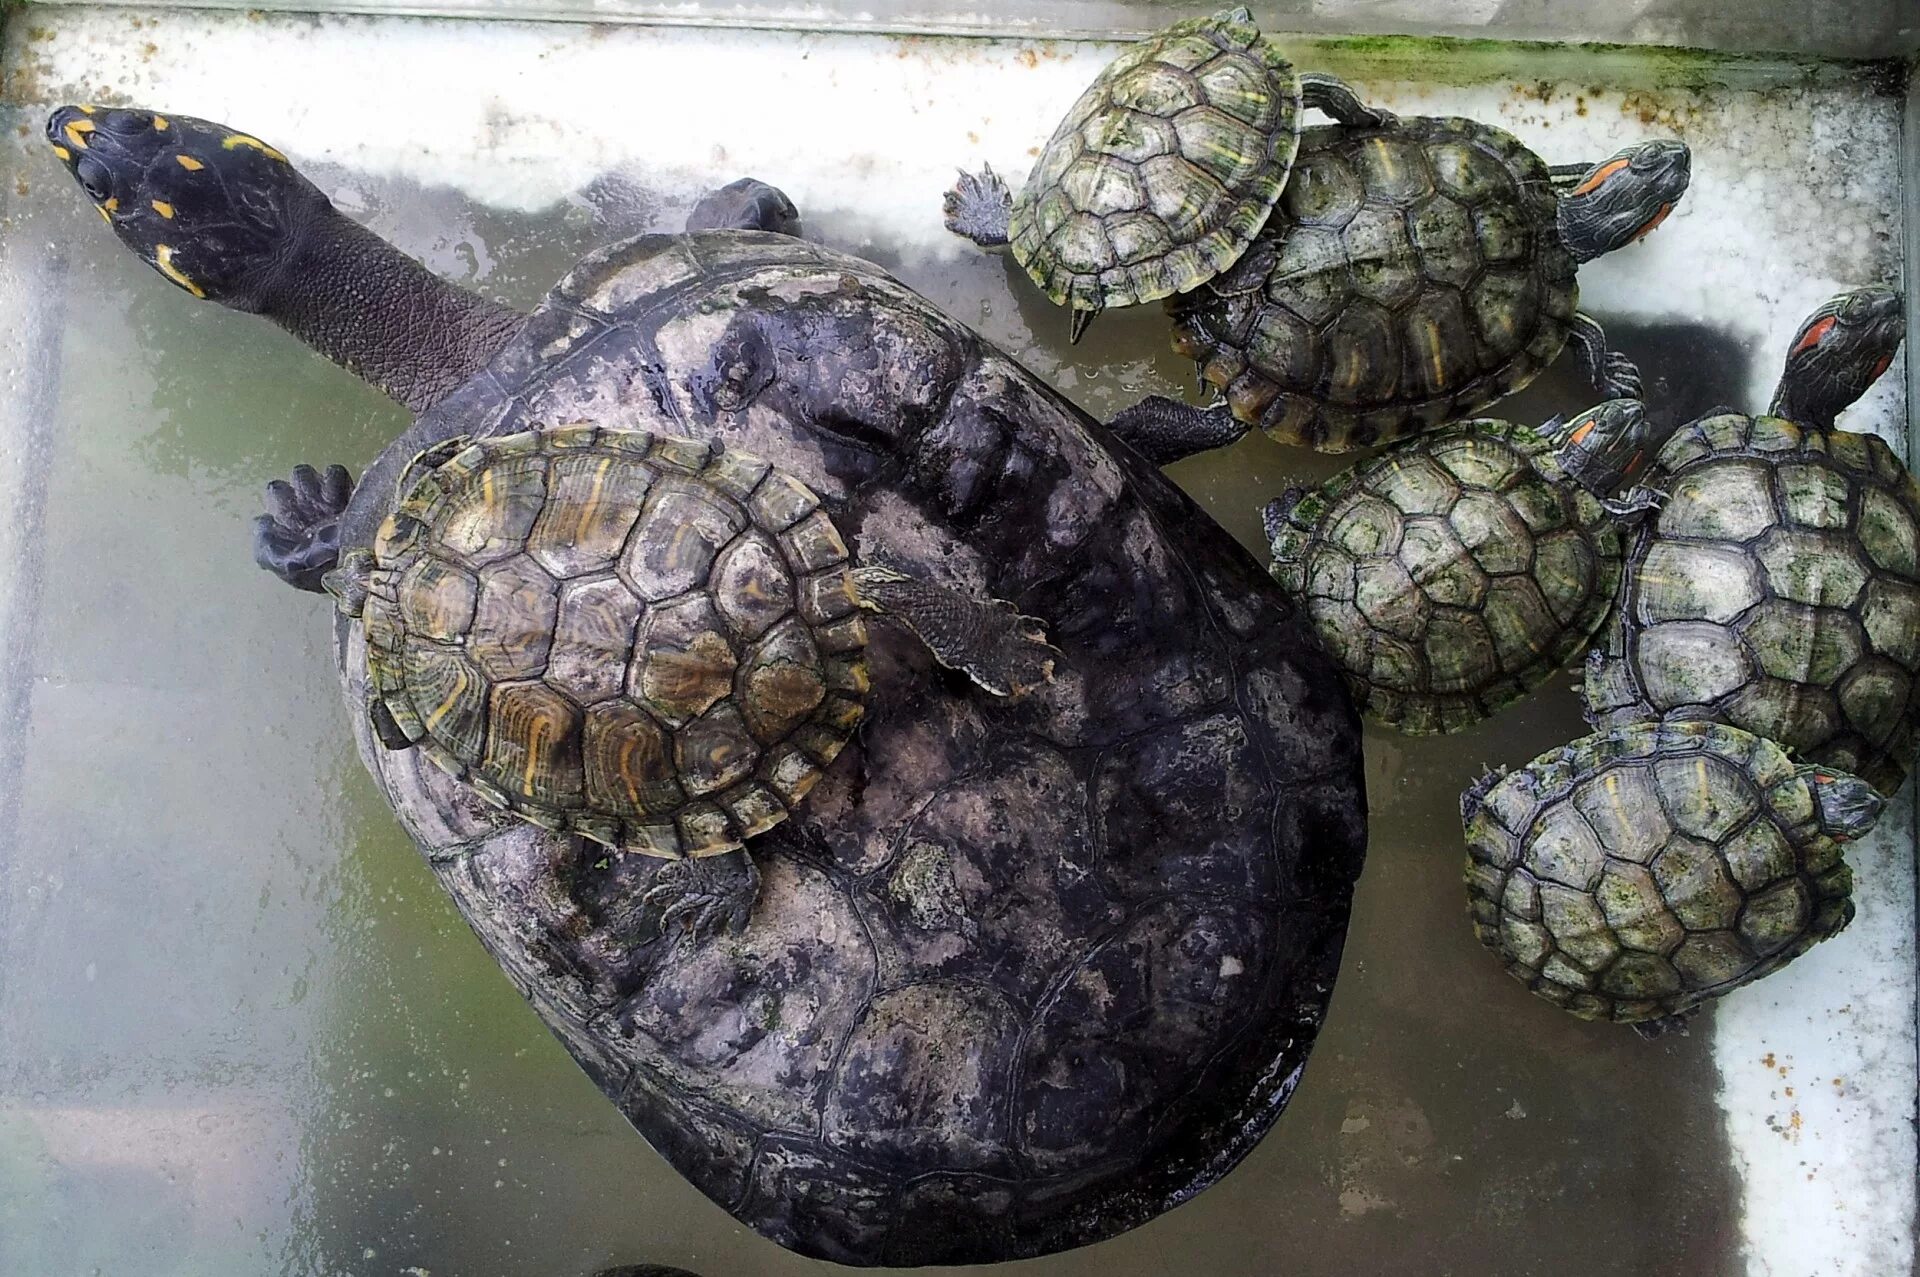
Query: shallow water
243	1030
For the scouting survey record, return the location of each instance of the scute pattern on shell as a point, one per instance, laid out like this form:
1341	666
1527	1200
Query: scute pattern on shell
637	638
1451	574
1640	871
1163	170
1777	590
1409	275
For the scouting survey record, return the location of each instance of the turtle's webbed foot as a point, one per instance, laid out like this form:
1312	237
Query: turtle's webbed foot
1164	430
979	207
988	640
298	538
702	899
746	205
1675	1025
1015	657
1619	377
1636	501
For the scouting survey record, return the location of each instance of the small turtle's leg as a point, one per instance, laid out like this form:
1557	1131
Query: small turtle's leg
1475	794
979	207
1164	430
1337	98
987	640
709	895
298	538
746	205
1273	515
1675	1025
1612	373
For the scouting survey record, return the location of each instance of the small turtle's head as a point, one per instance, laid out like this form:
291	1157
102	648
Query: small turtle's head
1624	197
1845	805
213	210
1609	446
1840	350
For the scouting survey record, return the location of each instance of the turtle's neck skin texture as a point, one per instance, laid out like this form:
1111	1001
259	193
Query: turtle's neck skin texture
381	315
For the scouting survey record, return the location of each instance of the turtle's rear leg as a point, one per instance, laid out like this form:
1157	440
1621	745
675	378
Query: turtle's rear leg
298	538
988	640
1164	430
979	207
707	895
746	205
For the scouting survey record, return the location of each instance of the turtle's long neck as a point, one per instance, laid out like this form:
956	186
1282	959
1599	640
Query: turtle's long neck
381	315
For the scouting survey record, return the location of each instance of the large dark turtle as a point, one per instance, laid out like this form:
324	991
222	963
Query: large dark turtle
1778	589
1161	172
1411	274
1022	974
1457	571
1639	871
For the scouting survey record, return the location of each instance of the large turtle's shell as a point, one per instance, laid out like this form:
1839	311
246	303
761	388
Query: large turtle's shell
1451	574
1778	590
1411	274
1022	974
646	640
1639	871
1165	167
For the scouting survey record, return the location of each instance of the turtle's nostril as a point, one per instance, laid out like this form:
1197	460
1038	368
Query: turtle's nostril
57	123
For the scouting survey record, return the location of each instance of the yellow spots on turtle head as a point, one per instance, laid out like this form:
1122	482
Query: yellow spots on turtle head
104	215
76	131
164	209
62	151
163	262
188	163
161	123
234	140
112	204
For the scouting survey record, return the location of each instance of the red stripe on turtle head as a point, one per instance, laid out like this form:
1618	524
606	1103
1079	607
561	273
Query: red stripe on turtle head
1599	175
1815	331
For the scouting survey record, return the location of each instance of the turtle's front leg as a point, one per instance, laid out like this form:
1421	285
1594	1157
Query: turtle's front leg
298	538
709	895
1337	98
746	205
980	207
1612	373
1164	430
988	640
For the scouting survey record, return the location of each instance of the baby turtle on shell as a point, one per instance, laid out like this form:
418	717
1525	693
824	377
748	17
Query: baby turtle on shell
1023	974
1453	573
1637	872
1161	173
1411	274
649	641
1778	589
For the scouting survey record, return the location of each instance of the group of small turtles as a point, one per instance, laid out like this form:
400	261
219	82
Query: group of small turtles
1754	580
651	557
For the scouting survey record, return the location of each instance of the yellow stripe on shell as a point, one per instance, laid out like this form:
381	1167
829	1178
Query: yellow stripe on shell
241	139
446	706
591	505
76	131
188	163
164	209
163	262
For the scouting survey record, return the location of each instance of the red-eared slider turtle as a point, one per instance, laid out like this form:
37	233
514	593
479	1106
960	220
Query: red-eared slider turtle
1161	173
649	641
1778	589
1642	870
1410	275
1453	573
1021	974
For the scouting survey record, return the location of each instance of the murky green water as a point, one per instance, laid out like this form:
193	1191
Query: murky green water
245	1033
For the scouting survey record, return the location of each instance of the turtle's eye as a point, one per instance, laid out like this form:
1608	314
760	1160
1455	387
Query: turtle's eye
93	178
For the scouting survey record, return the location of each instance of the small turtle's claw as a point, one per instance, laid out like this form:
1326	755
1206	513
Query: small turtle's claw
298	538
691	896
1638	501
977	207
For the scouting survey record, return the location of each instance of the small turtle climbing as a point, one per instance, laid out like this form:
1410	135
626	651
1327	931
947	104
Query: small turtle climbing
1412	273
1456	571
1161	173
1778	588
1642	870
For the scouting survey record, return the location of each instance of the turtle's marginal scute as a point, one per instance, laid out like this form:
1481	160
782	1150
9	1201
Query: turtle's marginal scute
593	675
1699	868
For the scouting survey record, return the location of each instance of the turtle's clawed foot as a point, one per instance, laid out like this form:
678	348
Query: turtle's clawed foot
1620	376
746	205
298	538
979	207
1164	430
1674	1025
705	896
1015	656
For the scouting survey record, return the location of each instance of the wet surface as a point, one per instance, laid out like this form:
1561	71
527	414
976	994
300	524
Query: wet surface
245	1032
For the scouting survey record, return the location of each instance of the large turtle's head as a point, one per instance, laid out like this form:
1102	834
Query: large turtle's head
1840	350
1845	806
213	210
1624	197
